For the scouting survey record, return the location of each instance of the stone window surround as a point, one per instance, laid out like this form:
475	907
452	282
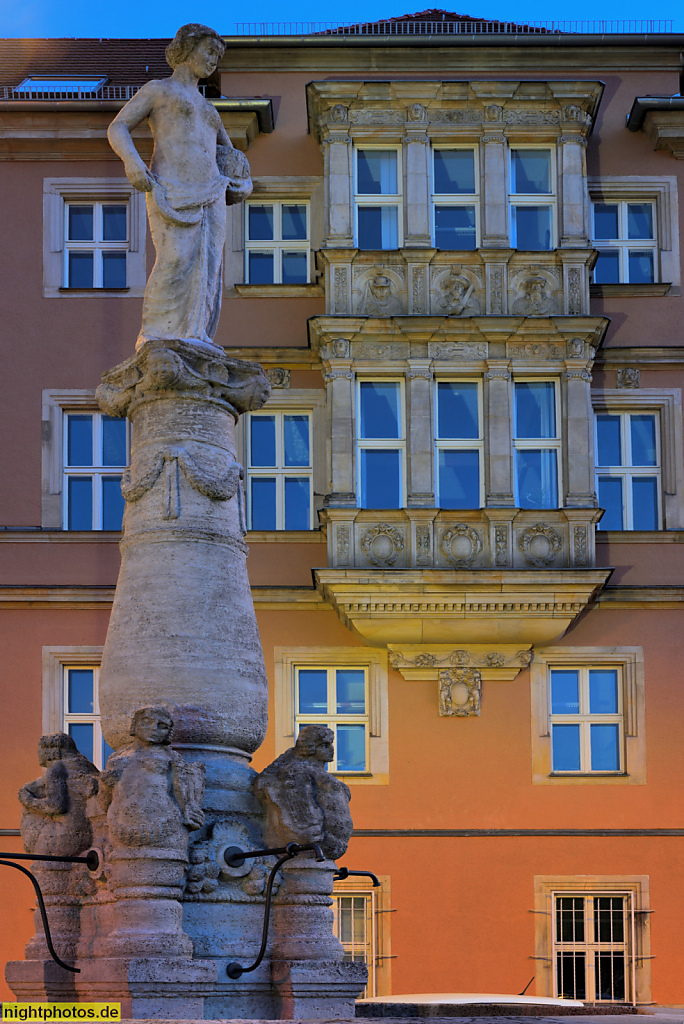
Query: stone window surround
663	192
56	193
546	886
667	403
630	661
308	400
54	660
285	661
381	897
285	188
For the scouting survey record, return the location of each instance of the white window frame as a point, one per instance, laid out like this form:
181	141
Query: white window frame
96	471
455	199
636	888
93	718
387	199
460	444
56	662
57	193
277	246
623	244
287	659
627	472
334	719
630	662
544	443
280	471
98	247
379	443
549	199
585	719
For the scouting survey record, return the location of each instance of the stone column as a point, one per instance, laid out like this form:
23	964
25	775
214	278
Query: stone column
580	437
417	157
419	441
495	206
339	379
499	486
339	212
574	212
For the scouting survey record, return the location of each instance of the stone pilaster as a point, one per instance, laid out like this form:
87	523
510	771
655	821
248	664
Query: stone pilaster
339	209
580	433
417	157
499	487
574	211
420	450
339	379
495	226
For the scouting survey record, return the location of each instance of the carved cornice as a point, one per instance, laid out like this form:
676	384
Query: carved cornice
434	606
494	663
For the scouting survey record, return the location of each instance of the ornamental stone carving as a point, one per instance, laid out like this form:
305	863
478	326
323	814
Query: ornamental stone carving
454	292
340	348
423	545
382	544
278	377
377	294
576	348
458	350
540	544
461	545
581	554
500	544
629	377
343	545
460	692
535	294
416	112
341	290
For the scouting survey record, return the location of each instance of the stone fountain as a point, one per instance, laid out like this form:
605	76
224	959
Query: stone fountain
183	689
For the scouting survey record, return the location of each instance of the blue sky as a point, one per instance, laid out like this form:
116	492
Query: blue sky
44	18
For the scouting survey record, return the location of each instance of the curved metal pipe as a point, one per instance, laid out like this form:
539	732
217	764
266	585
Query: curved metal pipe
43	912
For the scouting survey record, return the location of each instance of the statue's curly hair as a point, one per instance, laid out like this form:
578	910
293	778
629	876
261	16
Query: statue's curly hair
310	736
59	741
186	38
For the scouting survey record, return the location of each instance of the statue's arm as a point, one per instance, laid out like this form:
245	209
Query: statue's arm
119	134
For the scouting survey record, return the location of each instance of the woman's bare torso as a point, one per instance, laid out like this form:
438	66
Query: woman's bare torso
185	128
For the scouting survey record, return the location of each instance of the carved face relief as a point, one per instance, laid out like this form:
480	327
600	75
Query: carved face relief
154	727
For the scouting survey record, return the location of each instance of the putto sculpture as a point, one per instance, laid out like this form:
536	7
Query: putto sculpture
194	172
53	818
304	802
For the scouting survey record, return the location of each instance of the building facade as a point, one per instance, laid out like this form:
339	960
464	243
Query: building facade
460	268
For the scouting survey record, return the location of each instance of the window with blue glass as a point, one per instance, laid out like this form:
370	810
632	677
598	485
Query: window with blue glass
625	235
454	198
277	242
458	444
536	443
628	470
338	698
96	242
279	471
377	198
95	456
586	720
380	444
82	712
532	199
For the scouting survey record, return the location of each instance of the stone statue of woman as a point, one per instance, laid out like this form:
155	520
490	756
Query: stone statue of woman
194	172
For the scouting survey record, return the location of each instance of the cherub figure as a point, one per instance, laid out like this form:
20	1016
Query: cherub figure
304	802
194	172
152	796
53	819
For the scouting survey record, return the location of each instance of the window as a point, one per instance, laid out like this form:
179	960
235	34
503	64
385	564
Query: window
586	719
454	198
49	87
82	712
354	926
591	943
536	443
377	188
338	698
381	444
628	470
277	242
96	239
458	444
95	456
280	472
625	235
531	199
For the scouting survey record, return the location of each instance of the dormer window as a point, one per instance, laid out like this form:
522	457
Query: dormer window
55	87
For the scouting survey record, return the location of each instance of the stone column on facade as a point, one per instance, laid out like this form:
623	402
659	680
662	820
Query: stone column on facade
495	205
580	433
499	486
574	211
339	379
496	280
420	450
339	177
417	156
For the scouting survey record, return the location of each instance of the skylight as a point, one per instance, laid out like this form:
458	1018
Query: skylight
52	85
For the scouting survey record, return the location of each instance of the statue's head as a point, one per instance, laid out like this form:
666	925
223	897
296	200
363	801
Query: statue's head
381	286
315	742
187	39
54	747
152	725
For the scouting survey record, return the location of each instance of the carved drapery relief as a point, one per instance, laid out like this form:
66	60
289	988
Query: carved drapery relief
540	544
460	692
382	544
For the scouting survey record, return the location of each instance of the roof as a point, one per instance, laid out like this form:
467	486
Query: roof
436	21
122	61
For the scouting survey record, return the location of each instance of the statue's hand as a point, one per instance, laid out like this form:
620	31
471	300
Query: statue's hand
140	177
